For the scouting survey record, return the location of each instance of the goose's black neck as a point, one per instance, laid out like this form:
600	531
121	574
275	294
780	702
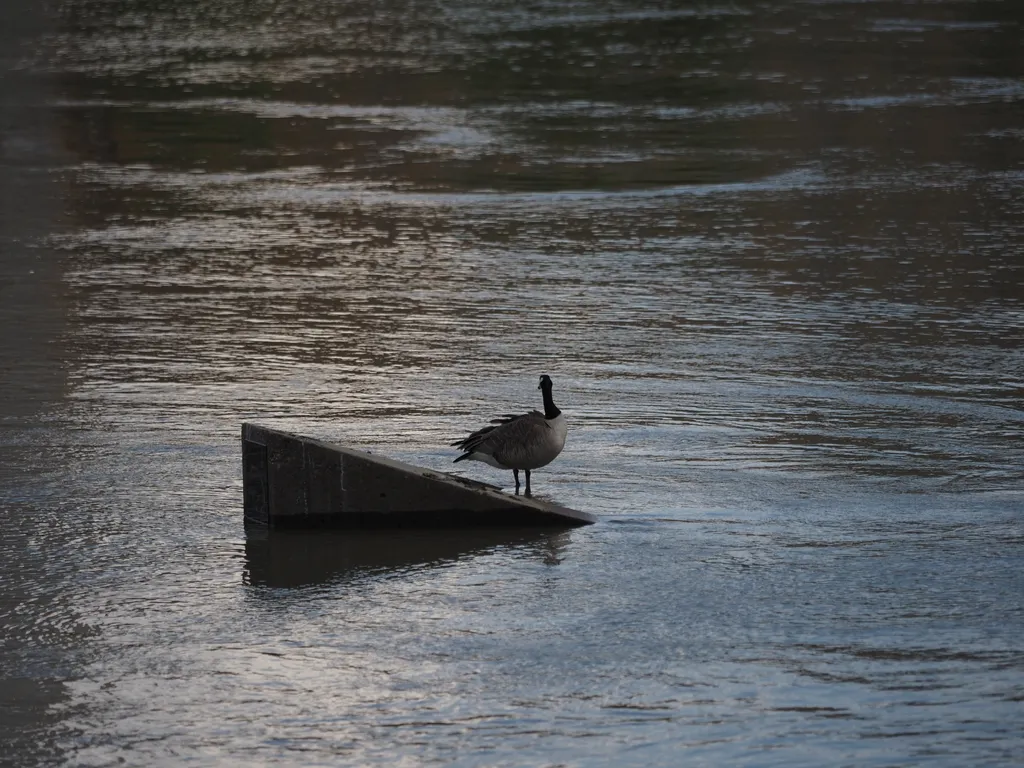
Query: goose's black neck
550	409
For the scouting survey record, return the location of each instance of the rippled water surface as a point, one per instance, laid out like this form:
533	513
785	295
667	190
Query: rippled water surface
770	252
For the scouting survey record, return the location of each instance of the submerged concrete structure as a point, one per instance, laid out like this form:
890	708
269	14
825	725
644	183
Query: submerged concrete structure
290	481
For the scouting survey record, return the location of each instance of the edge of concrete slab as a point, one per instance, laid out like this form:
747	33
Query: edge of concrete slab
300	482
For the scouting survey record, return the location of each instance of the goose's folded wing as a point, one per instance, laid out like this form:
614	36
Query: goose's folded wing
517	440
475	440
507	417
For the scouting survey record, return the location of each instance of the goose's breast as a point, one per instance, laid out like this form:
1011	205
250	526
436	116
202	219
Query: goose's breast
560	428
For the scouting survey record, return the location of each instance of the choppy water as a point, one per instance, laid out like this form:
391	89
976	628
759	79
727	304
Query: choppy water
771	254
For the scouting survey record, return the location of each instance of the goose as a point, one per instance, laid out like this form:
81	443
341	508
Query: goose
525	441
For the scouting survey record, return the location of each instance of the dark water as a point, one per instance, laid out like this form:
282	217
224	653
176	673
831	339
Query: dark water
770	252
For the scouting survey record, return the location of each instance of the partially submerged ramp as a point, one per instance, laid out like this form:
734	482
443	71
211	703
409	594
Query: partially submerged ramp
294	481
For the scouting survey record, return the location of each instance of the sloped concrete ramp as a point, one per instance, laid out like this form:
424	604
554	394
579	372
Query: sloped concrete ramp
298	482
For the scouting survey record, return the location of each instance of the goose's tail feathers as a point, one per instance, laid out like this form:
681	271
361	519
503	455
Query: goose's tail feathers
469	444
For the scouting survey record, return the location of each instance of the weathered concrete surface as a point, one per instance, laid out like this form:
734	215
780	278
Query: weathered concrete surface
295	481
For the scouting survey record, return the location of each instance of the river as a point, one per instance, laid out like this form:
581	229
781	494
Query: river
769	252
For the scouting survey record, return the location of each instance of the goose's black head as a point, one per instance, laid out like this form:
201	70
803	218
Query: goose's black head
550	409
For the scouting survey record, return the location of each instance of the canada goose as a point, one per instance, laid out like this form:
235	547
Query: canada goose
526	441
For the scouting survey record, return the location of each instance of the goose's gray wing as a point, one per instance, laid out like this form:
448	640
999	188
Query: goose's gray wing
505	430
515	442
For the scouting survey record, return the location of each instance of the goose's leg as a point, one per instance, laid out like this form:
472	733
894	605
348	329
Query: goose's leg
515	474
528	482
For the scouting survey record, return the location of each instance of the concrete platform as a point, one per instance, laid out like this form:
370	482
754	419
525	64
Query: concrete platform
290	481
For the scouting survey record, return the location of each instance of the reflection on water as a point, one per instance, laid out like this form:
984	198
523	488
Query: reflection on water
299	558
769	253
